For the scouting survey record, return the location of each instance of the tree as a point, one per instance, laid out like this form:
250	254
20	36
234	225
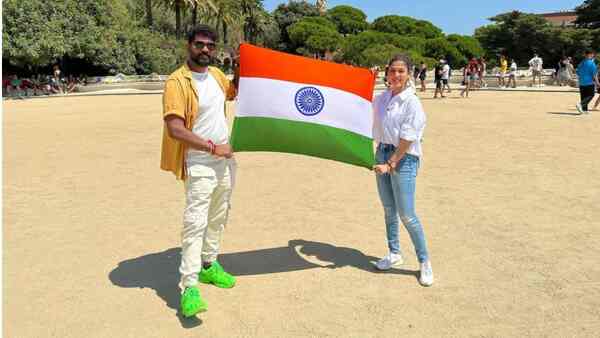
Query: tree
290	13
149	20
467	45
440	48
98	35
227	13
255	19
518	34
314	35
405	25
348	20
379	55
179	7
588	14
354	45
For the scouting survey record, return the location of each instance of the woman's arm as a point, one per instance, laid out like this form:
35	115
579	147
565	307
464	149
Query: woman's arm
394	159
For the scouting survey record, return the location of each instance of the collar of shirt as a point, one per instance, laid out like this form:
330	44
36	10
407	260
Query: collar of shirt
403	96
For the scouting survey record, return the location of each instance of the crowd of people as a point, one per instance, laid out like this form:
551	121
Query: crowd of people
475	71
39	85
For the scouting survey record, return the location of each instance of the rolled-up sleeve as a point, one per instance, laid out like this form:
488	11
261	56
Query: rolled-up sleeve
414	122
173	99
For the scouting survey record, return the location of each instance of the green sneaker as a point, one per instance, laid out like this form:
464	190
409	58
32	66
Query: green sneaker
191	302
217	276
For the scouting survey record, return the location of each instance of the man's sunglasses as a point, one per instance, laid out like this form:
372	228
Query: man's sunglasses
201	44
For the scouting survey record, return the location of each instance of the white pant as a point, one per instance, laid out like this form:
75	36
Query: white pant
204	218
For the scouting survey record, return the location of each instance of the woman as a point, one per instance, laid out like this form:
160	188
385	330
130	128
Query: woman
398	124
564	74
512	75
482	72
470	75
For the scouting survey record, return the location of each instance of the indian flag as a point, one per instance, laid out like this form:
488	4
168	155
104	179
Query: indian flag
292	104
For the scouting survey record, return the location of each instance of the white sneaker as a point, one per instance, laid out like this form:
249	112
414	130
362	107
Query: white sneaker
579	108
389	261
426	277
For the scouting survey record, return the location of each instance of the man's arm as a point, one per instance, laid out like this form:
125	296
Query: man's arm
177	130
232	89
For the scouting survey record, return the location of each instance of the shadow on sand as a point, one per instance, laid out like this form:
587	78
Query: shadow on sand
564	113
159	271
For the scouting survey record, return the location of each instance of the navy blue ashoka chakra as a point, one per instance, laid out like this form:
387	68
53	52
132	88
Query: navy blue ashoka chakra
309	101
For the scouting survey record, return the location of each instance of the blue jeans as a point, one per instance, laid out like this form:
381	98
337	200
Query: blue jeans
397	194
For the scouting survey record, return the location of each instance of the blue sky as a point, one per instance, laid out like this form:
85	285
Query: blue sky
452	16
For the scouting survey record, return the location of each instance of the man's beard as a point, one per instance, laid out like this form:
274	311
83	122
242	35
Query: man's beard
202	60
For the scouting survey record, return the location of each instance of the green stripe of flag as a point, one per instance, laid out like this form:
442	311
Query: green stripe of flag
279	135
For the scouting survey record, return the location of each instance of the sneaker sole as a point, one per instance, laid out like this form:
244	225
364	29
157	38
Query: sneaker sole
194	314
425	285
222	286
395	265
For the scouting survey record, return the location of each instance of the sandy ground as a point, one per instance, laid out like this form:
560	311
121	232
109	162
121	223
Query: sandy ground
508	192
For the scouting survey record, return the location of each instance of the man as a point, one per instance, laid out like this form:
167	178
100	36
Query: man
438	72
586	71
537	65
196	149
597	89
445	76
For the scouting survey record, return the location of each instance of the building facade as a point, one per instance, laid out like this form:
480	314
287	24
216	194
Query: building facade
564	18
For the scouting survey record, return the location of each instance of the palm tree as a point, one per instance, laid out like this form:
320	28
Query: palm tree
227	14
254	20
180	5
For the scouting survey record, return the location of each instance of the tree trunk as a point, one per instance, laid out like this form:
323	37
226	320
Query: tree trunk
195	14
219	20
178	19
224	32
149	20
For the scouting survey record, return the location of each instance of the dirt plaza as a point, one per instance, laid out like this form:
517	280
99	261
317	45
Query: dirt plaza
508	193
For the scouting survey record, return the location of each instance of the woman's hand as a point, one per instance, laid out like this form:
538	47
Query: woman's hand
381	169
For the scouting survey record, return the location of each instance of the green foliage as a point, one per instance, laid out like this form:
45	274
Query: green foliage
290	13
588	14
32	34
520	35
405	25
467	46
319	20
271	35
440	48
380	55
314	36
354	45
37	34
256	19
348	20
156	53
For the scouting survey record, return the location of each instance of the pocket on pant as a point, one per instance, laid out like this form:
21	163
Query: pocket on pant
200	171
379	156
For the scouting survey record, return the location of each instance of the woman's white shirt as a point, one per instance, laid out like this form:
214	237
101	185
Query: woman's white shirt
399	117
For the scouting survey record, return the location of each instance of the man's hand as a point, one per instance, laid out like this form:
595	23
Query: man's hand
223	150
